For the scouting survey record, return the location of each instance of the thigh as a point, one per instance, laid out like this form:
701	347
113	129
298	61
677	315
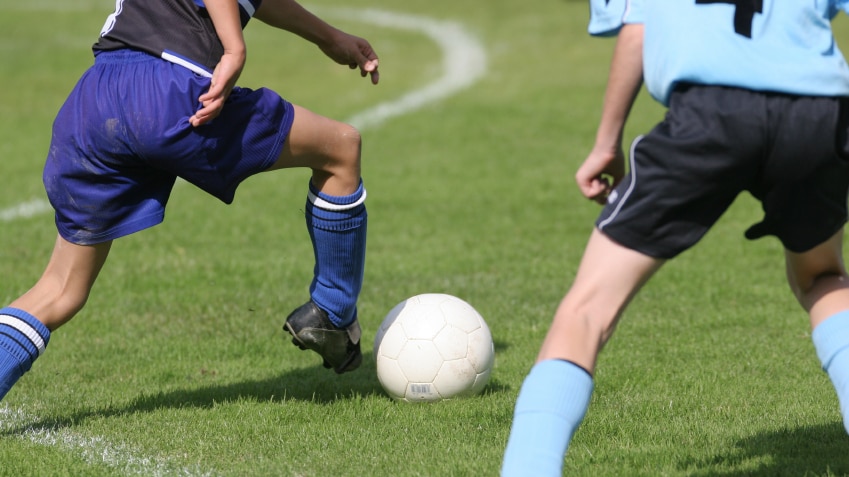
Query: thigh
329	147
314	141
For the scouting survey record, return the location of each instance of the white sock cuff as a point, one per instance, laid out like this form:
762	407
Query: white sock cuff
25	329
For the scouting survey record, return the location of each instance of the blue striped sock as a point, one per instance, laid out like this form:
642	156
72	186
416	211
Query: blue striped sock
550	407
831	340
22	340
337	227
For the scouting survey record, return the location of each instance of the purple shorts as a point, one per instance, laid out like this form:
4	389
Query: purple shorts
123	137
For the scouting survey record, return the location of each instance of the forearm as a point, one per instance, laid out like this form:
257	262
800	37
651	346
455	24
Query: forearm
290	16
624	82
225	17
228	27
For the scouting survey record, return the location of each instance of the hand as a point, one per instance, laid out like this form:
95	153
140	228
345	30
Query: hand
355	52
223	81
600	173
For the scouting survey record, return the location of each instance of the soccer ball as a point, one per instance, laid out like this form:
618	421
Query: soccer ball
432	347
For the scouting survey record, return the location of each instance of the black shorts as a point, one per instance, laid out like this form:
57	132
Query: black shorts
790	152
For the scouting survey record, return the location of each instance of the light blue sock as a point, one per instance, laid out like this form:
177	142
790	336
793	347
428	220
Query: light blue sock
831	340
551	405
22	340
337	227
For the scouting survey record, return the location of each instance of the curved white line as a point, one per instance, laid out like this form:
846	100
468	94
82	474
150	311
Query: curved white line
464	61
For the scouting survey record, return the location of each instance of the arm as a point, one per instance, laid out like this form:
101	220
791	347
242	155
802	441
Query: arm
225	17
604	168
341	47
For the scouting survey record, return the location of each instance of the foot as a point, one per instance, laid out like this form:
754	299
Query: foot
311	328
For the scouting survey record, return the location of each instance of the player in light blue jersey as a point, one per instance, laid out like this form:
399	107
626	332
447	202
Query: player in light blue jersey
758	98
788	50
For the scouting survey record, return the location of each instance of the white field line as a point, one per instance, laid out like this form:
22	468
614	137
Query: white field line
464	62
24	210
95	450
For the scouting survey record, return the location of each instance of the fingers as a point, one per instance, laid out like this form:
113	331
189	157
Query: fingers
370	68
602	188
366	60
355	52
600	173
212	103
209	110
595	191
223	81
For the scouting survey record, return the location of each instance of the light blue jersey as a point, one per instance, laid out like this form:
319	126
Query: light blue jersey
785	46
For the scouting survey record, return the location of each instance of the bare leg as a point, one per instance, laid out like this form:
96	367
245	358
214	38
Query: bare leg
556	393
330	148
608	278
59	294
818	279
65	284
336	220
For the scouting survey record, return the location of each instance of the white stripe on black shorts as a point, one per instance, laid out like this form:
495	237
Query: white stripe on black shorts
790	152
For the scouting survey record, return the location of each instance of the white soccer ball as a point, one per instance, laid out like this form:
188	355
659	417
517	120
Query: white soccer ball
432	347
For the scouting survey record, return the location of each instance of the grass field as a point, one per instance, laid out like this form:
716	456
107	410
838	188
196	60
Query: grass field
178	364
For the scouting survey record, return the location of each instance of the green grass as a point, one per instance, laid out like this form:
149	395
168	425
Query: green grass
178	365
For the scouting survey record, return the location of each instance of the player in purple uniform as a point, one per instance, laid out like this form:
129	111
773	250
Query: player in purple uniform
161	102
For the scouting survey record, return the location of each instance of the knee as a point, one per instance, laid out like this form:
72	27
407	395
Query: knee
804	285
811	289
813	273
339	163
347	146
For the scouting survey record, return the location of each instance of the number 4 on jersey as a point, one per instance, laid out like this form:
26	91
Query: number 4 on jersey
743	15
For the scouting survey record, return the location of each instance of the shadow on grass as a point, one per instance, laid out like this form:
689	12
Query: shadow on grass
807	451
314	384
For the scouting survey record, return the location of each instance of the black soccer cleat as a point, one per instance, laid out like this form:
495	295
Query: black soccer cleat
311	328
